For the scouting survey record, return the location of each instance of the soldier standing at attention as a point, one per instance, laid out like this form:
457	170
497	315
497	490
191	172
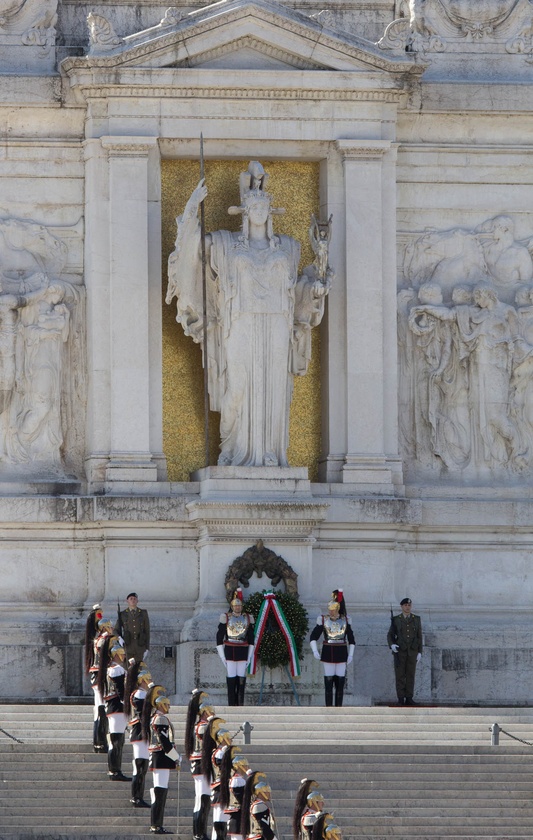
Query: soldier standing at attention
133	625
405	641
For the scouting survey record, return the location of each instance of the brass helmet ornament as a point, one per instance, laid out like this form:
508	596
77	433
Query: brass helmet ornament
331	830
337	602
239	762
205	710
238	598
315	800
105	625
144	675
262	789
158	698
116	649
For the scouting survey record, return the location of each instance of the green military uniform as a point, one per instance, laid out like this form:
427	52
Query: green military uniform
134	627
408	631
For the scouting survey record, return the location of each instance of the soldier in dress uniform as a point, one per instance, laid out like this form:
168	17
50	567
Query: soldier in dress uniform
133	625
405	641
196	725
258	821
337	648
164	757
97	629
235	646
308	805
326	828
234	771
138	680
111	678
216	741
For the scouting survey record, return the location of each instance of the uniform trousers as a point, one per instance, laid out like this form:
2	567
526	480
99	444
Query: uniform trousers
405	674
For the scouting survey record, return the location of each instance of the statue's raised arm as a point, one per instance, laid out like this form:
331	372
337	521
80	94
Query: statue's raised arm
185	267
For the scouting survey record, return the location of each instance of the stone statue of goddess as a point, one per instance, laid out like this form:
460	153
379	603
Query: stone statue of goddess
259	318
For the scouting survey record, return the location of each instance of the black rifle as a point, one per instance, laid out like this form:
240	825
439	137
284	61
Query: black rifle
394	637
119	620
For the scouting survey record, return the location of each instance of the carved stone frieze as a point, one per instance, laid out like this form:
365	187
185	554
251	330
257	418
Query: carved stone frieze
465	327
41	366
29	23
460	26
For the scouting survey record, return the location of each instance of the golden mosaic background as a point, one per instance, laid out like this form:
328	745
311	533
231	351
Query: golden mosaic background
295	187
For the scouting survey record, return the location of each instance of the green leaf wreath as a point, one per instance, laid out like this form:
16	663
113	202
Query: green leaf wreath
273	652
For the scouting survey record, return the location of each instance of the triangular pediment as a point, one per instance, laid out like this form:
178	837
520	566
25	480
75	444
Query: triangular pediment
240	35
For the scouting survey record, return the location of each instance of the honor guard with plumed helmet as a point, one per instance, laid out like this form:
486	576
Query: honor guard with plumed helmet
405	641
111	679
258	821
97	629
157	728
326	828
235	646
308	805
337	648
138	679
216	741
198	713
234	771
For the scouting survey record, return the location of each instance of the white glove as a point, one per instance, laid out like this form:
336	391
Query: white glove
220	651
350	654
418	657
394	648
251	649
145	654
314	648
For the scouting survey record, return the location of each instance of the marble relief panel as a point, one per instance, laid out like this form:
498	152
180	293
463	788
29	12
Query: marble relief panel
41	355
465	327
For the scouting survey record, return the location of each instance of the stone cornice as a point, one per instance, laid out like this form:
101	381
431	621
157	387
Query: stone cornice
103	91
363	149
124	146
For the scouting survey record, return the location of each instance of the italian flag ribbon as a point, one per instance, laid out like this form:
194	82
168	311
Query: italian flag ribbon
271	605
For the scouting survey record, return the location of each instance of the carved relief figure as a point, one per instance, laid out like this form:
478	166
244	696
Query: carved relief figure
469	380
259	317
36	314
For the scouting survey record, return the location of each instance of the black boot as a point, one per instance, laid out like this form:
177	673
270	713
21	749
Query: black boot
100	731
328	685
232	697
241	685
114	758
220	830
339	690
137	784
158	811
103	726
204	811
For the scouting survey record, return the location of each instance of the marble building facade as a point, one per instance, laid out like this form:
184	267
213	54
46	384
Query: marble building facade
417	118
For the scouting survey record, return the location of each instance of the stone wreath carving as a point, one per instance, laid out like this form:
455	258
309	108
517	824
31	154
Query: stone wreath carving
260	560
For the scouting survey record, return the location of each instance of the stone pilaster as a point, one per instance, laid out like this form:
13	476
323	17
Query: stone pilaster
371	459
124	273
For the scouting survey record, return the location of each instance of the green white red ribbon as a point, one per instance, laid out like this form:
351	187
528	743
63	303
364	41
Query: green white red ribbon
271	605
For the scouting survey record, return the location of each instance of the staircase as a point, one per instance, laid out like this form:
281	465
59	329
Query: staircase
402	774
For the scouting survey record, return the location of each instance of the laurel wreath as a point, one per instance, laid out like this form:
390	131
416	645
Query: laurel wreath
273	652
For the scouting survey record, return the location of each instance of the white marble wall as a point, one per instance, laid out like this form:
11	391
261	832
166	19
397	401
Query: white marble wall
400	153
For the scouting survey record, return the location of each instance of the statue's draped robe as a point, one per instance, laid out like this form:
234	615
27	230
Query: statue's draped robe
259	319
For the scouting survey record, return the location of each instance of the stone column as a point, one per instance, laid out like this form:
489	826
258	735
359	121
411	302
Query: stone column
121	369
371	459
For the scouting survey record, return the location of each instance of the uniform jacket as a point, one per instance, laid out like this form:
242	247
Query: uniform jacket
135	628
409	633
